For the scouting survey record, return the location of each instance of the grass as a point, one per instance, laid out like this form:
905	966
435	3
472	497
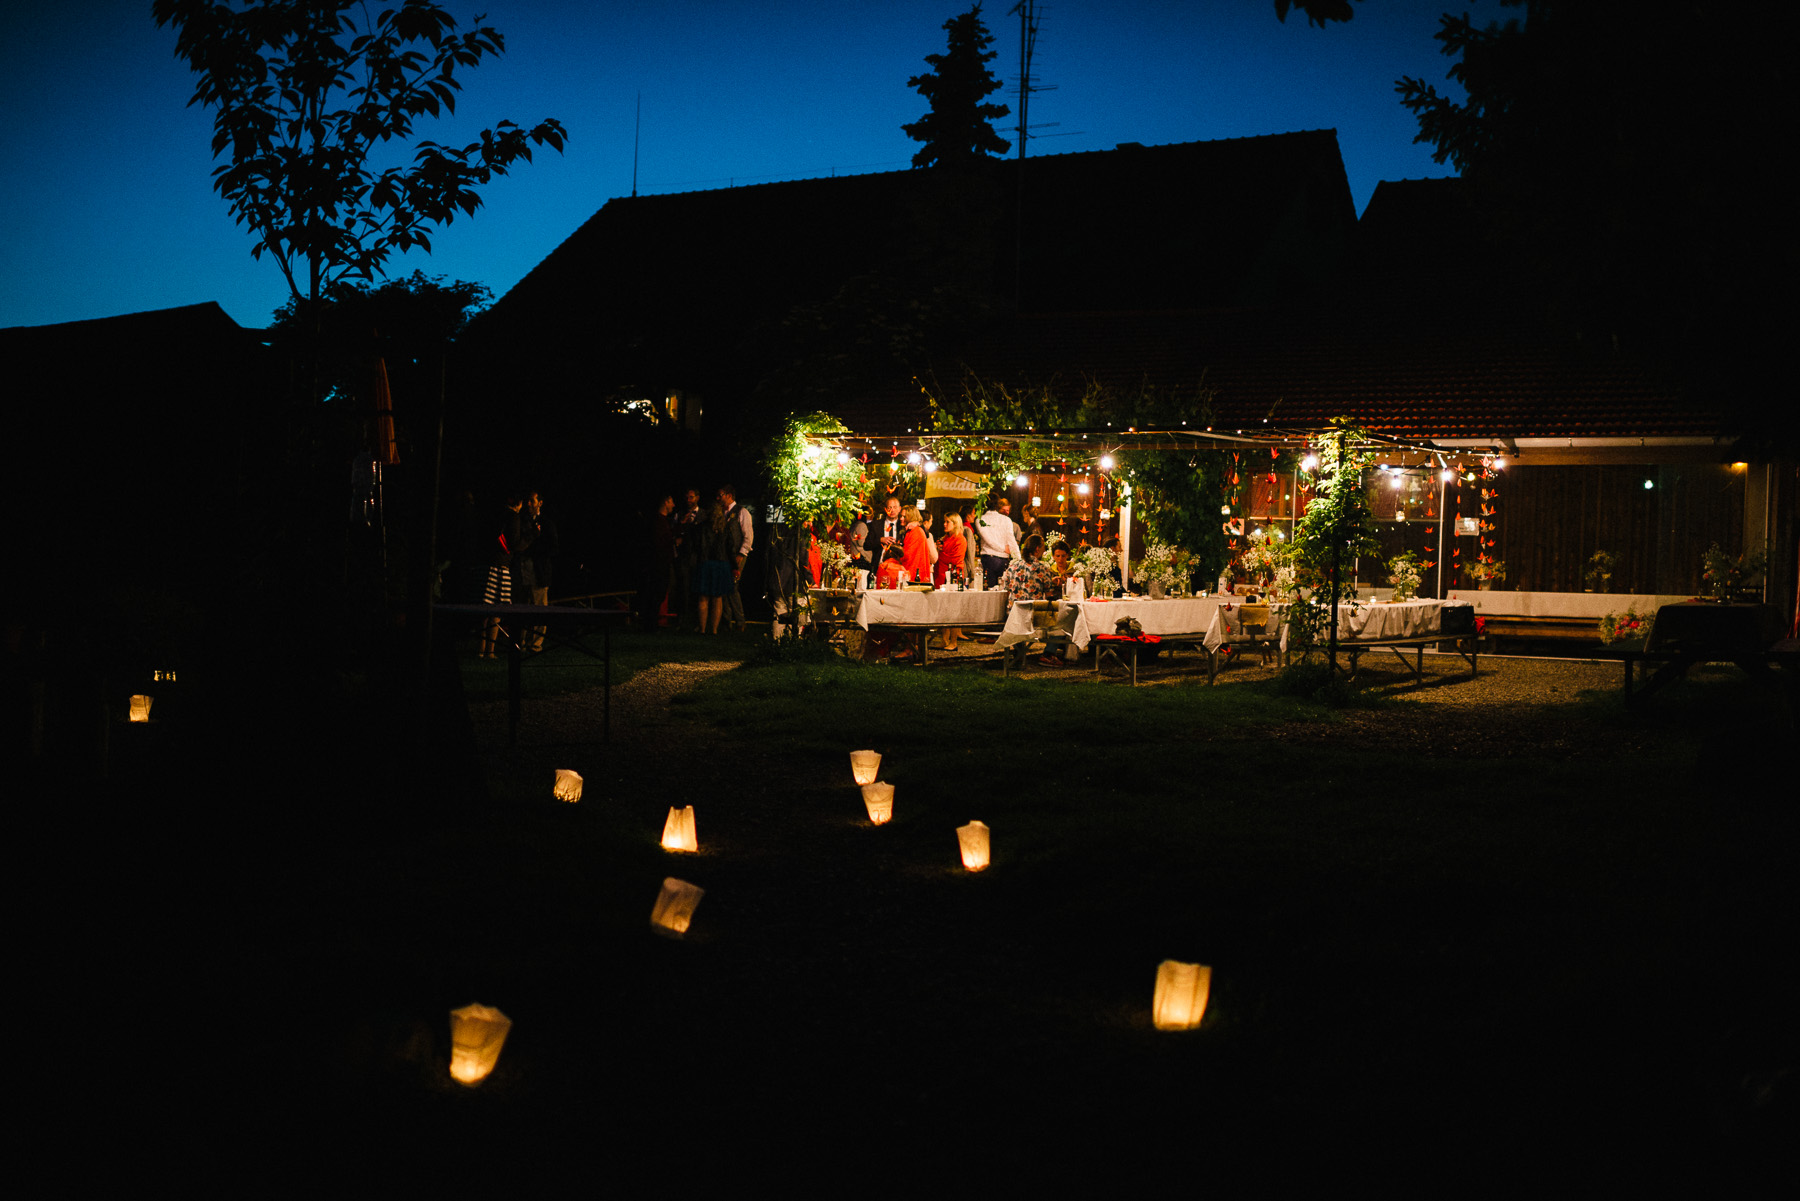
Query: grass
1434	971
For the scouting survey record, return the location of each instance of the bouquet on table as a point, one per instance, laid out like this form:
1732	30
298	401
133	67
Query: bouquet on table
1096	562
1404	575
1626	630
1165	567
1268	562
836	566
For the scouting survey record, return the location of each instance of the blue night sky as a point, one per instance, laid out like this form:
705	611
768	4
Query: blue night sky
106	199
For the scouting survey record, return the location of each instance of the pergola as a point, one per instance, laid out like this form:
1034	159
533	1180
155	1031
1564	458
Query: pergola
1097	447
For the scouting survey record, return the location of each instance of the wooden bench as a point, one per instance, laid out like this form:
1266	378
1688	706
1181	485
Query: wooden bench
1358	647
1581	629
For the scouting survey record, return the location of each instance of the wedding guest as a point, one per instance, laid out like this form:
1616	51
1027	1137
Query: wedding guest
919	548
999	542
950	562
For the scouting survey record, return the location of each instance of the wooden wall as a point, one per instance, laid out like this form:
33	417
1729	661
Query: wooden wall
1551	519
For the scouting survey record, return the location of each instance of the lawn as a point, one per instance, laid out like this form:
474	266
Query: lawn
1453	945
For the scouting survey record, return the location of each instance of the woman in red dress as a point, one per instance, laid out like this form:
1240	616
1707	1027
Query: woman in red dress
920	551
950	558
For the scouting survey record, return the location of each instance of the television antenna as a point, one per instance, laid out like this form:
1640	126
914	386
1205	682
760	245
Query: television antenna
1029	23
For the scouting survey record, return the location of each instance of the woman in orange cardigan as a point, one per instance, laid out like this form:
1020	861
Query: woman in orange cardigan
921	553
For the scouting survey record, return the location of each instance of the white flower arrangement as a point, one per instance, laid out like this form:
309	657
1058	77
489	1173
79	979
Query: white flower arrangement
834	564
1265	557
1164	565
1404	575
1093	560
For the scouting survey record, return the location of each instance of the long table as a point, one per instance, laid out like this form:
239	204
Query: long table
1214	622
1595	605
1691	632
922	612
1171	617
1209	621
1574	615
1362	626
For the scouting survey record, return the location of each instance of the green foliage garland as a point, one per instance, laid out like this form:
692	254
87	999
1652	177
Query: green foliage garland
811	483
1337	517
1175	494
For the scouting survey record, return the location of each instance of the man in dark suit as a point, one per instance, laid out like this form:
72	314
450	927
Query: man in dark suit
887	530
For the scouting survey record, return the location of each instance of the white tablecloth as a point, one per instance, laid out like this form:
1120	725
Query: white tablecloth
1082	620
1170	616
1560	604
887	607
1228	622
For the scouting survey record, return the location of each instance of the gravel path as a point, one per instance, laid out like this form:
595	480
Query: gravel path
640	710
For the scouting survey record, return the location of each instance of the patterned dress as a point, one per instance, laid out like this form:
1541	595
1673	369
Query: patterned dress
1030	581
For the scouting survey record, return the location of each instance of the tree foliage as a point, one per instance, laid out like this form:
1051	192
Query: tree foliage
1618	156
1337	526
958	130
407	321
1175	493
1318	12
812	482
303	93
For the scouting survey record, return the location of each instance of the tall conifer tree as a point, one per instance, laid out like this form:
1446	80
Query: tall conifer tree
957	130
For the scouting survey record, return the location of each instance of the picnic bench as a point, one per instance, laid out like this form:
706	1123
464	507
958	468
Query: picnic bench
1748	635
1413	625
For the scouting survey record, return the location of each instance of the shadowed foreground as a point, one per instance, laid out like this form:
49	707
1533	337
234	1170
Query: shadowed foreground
1451	944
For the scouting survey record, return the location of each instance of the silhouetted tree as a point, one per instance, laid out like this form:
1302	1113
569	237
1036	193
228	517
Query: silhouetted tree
1620	158
1317	11
409	322
299	177
957	131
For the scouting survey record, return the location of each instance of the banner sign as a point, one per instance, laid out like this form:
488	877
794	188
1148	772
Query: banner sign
960	485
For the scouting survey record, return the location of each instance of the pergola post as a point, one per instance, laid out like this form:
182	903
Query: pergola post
1125	542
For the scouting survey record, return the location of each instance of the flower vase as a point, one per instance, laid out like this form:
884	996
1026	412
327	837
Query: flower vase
1485	585
1157	591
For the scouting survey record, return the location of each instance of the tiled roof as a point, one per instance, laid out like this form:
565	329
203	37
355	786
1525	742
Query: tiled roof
1401	376
1223	222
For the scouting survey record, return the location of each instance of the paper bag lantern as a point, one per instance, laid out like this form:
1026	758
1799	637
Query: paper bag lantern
1181	992
140	708
675	906
568	785
865	766
678	831
878	799
974	840
477	1032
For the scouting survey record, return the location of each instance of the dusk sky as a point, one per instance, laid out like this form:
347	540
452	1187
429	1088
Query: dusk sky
106	198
